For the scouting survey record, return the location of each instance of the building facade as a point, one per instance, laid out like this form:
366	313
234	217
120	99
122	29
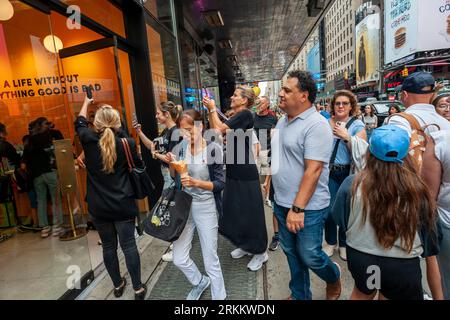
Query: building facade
340	41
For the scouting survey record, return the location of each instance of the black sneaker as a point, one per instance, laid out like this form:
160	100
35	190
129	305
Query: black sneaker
141	295
274	244
118	292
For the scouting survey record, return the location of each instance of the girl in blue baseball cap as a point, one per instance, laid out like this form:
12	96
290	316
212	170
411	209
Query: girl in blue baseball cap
389	218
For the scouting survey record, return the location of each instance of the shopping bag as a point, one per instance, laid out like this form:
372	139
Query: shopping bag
168	217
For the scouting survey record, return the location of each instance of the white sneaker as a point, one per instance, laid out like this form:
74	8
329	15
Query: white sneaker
57	231
426	296
239	253
257	261
168	257
198	290
343	253
329	249
171	246
45	232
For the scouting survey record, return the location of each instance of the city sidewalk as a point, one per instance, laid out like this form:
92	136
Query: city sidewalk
165	281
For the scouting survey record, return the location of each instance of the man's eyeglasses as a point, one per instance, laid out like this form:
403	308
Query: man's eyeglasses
444	106
345	104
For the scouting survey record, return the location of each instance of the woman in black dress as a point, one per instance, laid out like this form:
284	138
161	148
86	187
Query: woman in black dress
243	221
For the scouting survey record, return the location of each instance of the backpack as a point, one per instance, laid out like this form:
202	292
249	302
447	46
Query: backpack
419	138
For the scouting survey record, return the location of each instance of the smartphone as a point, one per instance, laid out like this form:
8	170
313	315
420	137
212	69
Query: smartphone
89	92
205	92
341	124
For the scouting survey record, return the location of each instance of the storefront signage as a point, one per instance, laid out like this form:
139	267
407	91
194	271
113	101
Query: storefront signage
43	86
392	85
367	44
404	19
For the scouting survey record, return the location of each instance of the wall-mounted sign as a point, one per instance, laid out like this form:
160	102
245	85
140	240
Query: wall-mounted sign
43	86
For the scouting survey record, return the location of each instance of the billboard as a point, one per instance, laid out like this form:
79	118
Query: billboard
313	61
434	23
404	19
367	49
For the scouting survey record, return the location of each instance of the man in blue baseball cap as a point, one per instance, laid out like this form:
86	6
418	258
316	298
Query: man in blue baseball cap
416	93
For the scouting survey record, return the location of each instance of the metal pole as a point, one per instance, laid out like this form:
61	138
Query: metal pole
177	50
381	54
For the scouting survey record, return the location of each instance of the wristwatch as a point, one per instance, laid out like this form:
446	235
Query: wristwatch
297	209
212	110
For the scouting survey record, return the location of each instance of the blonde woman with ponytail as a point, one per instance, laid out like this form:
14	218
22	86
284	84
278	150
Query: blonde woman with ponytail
109	194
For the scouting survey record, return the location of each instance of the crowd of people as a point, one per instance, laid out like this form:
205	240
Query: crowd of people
336	179
36	173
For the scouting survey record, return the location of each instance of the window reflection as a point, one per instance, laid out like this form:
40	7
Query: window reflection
163	61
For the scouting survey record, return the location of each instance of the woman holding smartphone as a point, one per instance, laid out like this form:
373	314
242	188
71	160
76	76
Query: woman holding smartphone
167	115
109	194
344	108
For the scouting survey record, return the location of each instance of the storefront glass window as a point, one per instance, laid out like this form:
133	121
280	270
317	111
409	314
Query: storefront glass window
160	9
103	12
209	78
163	61
190	72
32	86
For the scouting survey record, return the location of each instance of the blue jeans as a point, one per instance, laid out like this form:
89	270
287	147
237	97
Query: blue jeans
304	251
124	230
331	233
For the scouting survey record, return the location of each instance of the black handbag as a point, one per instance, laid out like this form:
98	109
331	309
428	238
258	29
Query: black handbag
168	217
140	181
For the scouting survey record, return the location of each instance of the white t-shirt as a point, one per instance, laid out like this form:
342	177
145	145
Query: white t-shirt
442	152
425	114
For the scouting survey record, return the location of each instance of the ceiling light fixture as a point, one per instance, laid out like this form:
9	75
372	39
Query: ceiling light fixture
6	10
213	18
53	43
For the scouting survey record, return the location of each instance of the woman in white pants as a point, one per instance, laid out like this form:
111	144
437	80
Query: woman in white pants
204	181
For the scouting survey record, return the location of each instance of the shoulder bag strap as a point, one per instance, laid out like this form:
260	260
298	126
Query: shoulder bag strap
126	148
336	146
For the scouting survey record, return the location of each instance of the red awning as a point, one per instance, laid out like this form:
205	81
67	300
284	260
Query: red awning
388	75
438	64
392	73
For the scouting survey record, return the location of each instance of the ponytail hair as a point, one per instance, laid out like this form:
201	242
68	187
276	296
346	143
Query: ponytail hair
172	109
247	92
106	122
